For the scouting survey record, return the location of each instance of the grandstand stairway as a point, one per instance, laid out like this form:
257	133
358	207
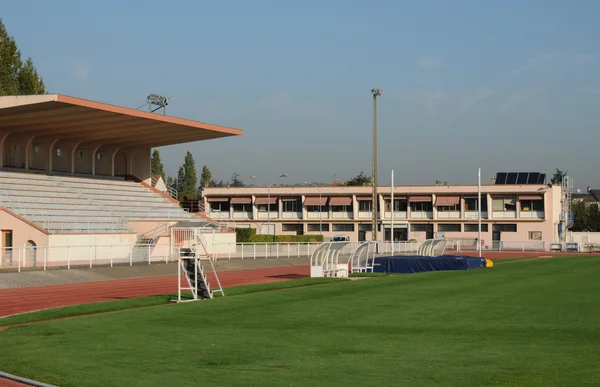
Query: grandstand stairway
60	203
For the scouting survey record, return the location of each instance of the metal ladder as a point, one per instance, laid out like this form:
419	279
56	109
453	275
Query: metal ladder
192	263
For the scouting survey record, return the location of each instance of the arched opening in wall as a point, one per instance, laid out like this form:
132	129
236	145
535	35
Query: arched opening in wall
12	152
38	156
83	160
30	254
121	165
60	158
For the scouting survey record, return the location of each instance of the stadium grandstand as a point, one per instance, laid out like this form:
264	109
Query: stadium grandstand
77	172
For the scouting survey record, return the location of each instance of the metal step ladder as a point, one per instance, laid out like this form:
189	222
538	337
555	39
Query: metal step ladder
193	264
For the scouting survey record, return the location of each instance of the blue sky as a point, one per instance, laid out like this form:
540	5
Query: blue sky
501	85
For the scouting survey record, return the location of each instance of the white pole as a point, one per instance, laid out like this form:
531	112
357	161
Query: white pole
479	211
392	237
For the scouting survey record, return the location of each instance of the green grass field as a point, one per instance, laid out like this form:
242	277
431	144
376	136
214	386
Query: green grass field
527	323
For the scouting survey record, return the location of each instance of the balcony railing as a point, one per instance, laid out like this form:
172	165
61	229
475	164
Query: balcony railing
266	215
219	214
531	215
448	214
291	215
315	215
342	215
475	214
397	214
421	215
504	214
242	215
365	214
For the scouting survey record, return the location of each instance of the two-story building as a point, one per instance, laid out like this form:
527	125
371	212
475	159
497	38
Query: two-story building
509	212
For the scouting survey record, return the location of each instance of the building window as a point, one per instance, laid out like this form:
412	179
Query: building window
399	205
341	208
473	227
343	227
421	227
36	149
505	227
365	205
242	208
455	207
290	206
471	204
292	227
317	209
535	235
315	227
365	227
263	207
447	227
421	206
99	156
80	154
532	205
219	206
504	204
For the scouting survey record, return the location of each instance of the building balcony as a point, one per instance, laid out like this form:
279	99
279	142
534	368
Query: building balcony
291	215
365	214
532	215
421	215
218	215
448	215
474	215
504	214
342	215
242	215
315	215
266	215
397	215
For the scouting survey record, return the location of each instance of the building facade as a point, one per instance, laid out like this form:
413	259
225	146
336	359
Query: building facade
527	212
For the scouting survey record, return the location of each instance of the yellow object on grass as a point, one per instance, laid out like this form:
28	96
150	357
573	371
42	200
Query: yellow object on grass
489	263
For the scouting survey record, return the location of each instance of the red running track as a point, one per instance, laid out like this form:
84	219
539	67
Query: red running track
20	300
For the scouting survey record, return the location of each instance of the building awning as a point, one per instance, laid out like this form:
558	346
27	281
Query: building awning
289	199
531	197
315	201
340	201
420	198
364	198
447	200
396	197
241	200
265	200
218	199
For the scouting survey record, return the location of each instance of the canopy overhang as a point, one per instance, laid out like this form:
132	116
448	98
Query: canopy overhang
69	118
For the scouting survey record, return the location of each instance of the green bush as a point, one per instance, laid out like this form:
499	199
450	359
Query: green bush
248	235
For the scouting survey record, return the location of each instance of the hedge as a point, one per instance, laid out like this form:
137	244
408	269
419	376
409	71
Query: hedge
248	235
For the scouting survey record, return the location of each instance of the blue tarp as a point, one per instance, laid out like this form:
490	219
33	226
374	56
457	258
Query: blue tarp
416	264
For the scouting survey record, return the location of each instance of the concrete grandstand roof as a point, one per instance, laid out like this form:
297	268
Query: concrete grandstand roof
65	117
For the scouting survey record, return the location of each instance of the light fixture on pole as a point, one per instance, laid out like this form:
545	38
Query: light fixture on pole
376	93
269	200
320	205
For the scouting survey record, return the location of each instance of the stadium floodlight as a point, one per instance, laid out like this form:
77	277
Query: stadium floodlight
157	100
376	93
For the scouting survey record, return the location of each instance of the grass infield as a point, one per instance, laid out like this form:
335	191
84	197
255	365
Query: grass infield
529	324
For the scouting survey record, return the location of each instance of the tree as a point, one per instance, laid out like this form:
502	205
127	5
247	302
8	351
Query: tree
235	180
360	180
586	216
186	179
170	181
206	177
156	166
557	178
16	77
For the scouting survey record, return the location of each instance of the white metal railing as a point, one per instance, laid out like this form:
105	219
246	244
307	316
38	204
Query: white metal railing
504	214
448	214
263	250
421	214
168	189
156	232
44	257
475	214
163	213
397	214
531	215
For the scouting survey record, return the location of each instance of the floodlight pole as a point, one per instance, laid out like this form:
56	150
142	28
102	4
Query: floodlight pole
392	236
479	211
376	93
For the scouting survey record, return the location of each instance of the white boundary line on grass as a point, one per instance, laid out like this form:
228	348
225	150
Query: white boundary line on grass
19	379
